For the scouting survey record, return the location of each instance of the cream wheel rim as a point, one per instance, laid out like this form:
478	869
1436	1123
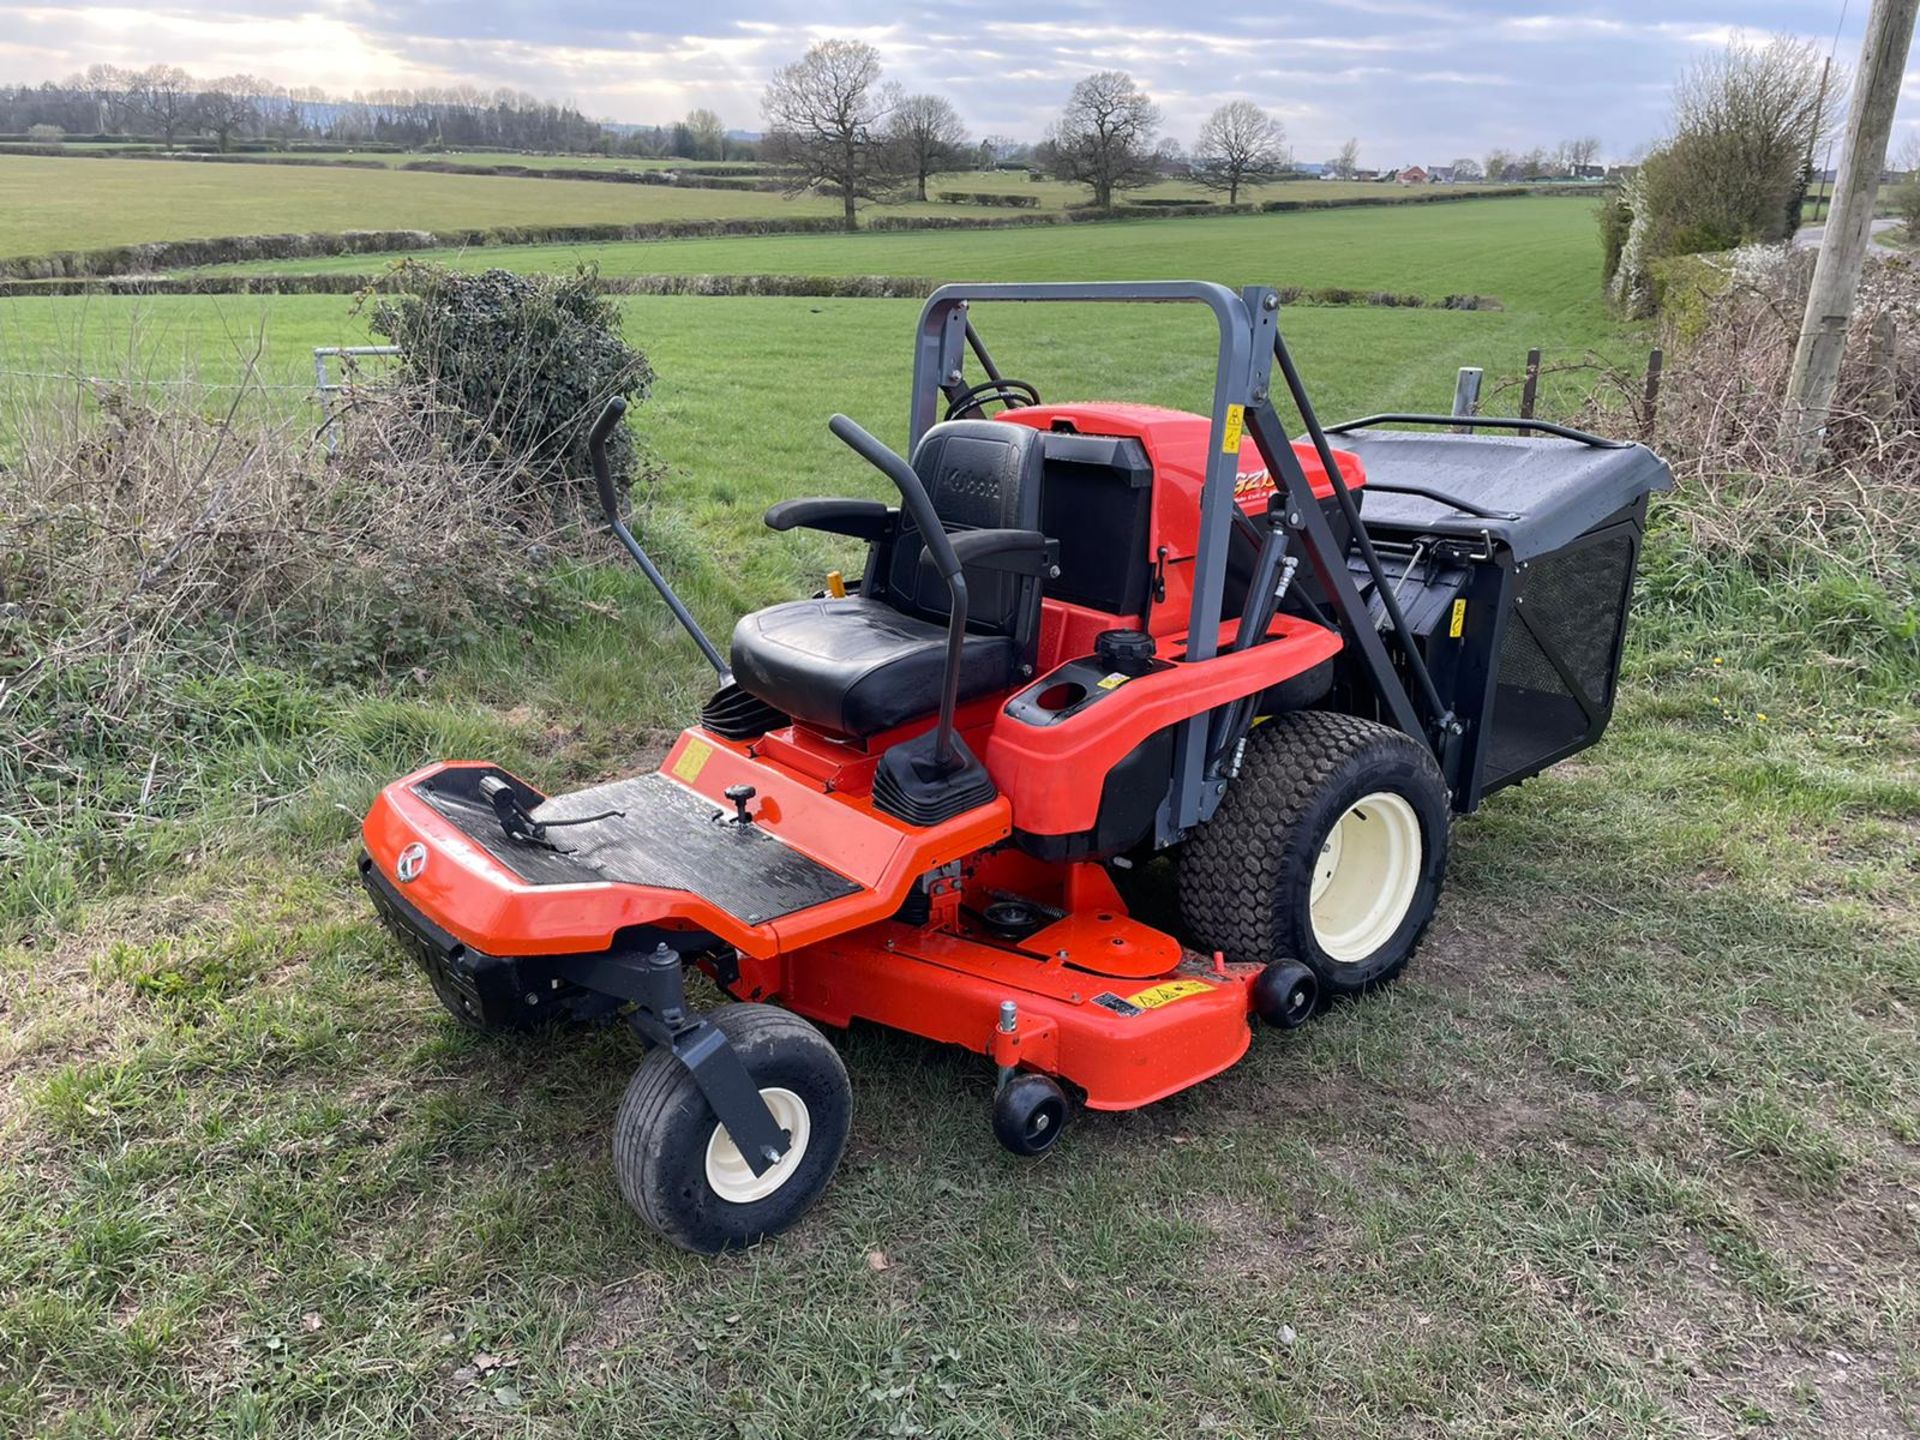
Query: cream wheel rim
1365	876
729	1174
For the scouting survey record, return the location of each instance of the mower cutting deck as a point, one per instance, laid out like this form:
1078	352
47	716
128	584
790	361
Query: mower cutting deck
1089	633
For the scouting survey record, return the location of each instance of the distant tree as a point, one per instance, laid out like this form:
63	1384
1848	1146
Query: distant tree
1006	150
825	114
927	137
1466	168
708	135
1499	162
1104	139
44	134
682	145
164	98
109	86
1906	160
1239	145
228	106
1579	152
1346	161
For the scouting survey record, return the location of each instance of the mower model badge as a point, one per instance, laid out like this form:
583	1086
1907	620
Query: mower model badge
412	861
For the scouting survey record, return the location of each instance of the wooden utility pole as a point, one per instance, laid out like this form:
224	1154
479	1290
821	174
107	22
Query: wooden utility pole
1843	250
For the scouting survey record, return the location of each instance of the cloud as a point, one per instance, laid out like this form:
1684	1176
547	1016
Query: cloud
1415	80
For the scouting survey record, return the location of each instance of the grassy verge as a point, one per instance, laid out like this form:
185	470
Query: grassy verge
1633	1146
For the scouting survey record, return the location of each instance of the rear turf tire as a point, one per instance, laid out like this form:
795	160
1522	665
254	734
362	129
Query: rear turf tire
1329	849
680	1171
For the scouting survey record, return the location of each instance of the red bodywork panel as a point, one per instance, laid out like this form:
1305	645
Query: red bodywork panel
1176	444
1104	1001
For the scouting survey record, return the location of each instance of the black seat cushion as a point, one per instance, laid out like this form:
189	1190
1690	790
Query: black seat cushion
857	666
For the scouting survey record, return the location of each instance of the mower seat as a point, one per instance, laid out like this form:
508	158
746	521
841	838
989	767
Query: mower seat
873	661
858	666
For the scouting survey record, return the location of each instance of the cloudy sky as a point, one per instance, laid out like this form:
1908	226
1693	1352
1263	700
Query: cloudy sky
1414	80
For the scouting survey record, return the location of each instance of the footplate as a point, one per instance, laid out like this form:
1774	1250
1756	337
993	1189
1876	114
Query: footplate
654	832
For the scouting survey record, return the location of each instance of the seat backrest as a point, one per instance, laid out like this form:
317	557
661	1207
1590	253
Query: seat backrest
981	475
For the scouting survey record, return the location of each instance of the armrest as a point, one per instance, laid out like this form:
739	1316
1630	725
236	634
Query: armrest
862	519
1014	552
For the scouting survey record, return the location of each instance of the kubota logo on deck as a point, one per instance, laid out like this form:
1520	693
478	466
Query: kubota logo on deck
412	861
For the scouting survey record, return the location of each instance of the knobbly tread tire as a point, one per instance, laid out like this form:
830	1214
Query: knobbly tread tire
661	1130
1245	877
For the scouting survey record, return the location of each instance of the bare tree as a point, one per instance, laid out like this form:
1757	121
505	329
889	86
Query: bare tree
163	98
1466	168
824	117
1579	152
1105	137
228	106
1906	160
1239	145
927	136
1346	162
1499	161
708	134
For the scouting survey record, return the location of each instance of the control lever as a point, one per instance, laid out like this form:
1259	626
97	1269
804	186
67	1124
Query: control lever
740	795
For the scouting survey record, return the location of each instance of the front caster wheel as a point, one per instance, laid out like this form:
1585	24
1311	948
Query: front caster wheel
1029	1113
1285	993
681	1171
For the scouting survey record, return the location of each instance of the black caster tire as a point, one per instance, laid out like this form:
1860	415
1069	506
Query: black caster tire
1029	1112
679	1169
1329	849
1286	994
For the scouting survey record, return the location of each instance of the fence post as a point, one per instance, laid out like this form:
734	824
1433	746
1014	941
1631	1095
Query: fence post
1466	395
1530	392
1650	396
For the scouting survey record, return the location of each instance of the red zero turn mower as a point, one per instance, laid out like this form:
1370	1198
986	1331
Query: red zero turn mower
1087	633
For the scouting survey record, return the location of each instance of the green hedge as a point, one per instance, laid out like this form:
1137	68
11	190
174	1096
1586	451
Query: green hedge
982	197
842	287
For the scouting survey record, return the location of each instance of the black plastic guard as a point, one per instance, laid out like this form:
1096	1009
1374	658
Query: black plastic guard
662	835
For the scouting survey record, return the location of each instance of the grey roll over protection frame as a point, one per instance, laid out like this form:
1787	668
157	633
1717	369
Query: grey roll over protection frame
1249	344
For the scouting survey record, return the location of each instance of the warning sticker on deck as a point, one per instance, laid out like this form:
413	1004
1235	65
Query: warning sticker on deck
1458	622
1112	682
1168	992
692	760
1110	1001
1236	422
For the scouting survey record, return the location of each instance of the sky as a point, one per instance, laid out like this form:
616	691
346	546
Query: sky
1415	81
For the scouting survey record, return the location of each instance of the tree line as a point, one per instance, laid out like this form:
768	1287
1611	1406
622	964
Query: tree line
168	103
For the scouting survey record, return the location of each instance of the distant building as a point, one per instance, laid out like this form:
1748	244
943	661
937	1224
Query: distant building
1367	175
1441	174
1413	175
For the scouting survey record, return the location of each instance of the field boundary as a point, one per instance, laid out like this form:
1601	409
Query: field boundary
840	287
160	255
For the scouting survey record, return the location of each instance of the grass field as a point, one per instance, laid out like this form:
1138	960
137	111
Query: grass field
1633	1150
52	203
49	204
1537	254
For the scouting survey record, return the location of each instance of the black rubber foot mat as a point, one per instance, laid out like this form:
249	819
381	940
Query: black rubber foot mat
663	836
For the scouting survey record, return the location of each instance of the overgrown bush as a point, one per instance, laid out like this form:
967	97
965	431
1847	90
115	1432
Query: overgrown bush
1906	204
514	369
1731	329
46	134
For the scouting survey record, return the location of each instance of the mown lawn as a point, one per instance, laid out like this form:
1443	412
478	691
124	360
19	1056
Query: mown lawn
1633	1150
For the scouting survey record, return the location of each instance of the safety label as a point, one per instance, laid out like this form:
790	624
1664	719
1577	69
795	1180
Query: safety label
1236	422
692	760
1168	992
1458	622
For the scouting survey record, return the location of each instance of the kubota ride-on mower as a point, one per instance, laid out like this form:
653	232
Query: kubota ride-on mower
1087	633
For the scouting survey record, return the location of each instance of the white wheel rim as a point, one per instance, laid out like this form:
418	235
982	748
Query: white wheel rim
729	1174
1365	876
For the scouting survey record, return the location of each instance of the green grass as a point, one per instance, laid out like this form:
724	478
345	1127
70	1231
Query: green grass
49	204
1631	1150
1532	254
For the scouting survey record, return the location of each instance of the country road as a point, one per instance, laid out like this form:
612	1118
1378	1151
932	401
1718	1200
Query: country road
1809	237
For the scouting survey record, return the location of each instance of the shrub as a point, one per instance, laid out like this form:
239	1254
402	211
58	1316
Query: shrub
45	134
1906	204
515	368
984	197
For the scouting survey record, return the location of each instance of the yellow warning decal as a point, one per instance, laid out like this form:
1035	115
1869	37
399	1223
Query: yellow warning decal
692	760
1459	621
1165	994
1111	682
1236	422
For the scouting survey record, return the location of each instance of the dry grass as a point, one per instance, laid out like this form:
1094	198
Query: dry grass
1720	424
